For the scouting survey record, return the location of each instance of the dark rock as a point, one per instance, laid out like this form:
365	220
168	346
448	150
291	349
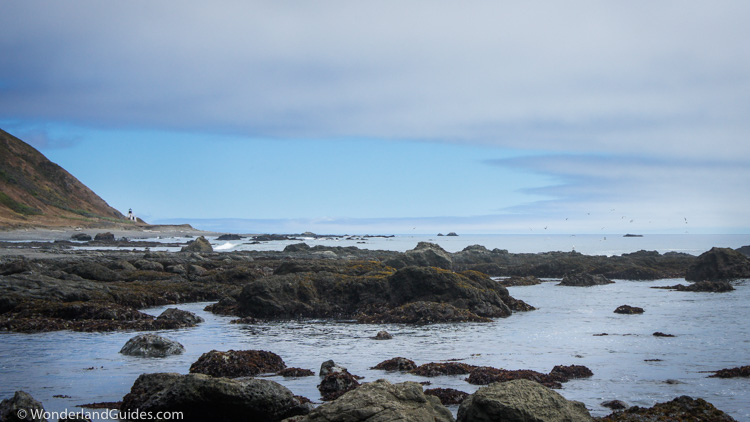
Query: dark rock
566	373
421	313
742	371
452	234
179	318
93	271
237	363
381	401
744	250
627	309
229	237
396	364
104	237
83	237
295	373
200	245
146	265
151	345
660	334
425	254
520	401
16	266
335	384
434	369
701	286
719	264
329	367
683	408
297	247
520	281
614	404
485	375
584	279
20	402
203	398
447	396
383	335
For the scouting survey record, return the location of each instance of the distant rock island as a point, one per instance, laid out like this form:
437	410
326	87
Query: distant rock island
35	192
633	235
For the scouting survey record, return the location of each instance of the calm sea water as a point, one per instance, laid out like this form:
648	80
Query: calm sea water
711	333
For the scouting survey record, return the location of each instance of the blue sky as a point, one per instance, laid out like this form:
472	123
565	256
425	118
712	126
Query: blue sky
392	117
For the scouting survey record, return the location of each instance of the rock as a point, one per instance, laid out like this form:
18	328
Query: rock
447	396
381	401
81	237
396	364
744	250
584	279
335	384
92	271
683	408
660	334
629	310
229	237
330	367
295	373
204	398
485	375
614	404
20	402
237	363
200	245
452	234
422	313
742	371
151	345
297	247
104	237
383	335
566	373
720	286
719	264
522	401
520	281
179	318
146	265
425	254
434	369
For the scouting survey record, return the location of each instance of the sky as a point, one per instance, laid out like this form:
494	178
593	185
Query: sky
391	116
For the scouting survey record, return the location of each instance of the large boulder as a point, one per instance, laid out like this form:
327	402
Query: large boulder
381	401
719	264
151	346
425	254
520	401
179	318
19	408
198	245
682	408
237	363
203	398
584	280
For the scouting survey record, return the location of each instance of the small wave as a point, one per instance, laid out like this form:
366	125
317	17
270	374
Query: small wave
225	246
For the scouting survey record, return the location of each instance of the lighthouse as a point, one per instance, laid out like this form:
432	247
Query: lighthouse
131	216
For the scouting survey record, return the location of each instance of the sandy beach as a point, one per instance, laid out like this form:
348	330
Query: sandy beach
139	232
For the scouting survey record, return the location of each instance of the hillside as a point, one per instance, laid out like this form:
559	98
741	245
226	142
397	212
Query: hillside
35	192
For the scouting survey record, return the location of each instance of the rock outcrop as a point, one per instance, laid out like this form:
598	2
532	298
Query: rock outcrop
19	405
152	346
425	254
200	245
584	280
682	408
720	286
381	401
204	398
719	264
520	401
237	363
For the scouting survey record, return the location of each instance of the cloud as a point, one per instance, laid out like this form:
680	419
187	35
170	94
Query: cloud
41	139
642	77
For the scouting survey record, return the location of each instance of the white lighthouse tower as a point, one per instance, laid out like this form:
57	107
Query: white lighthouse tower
131	216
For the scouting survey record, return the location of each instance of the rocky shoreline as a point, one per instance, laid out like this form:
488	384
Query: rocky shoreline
53	287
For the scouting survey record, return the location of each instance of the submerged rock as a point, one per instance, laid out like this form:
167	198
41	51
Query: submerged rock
396	364
584	280
701	286
719	264
434	369
447	396
381	401
683	408
742	371
237	363
204	398
421	313
151	345
383	335
520	401
295	373
614	404
21	404
627	309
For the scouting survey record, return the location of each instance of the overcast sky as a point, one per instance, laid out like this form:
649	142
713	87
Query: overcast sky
392	116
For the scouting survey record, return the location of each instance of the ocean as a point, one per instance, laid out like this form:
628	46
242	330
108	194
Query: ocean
629	364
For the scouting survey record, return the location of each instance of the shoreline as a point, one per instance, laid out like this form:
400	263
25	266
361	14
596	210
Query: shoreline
138	232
